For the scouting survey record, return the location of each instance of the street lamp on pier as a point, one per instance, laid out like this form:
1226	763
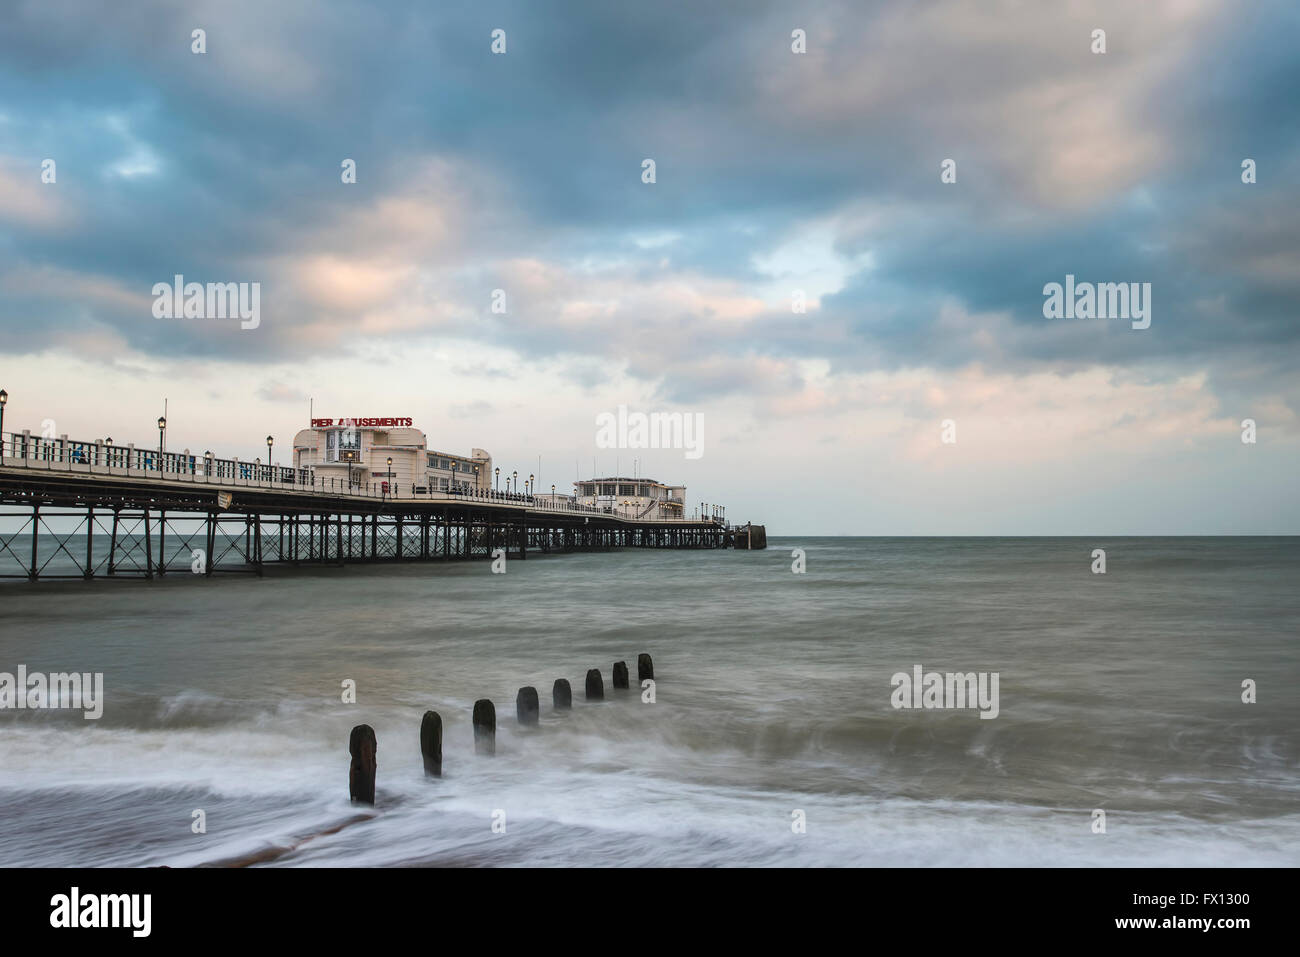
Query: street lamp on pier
162	428
4	397
498	478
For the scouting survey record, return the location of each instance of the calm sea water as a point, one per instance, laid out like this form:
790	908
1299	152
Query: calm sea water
1119	691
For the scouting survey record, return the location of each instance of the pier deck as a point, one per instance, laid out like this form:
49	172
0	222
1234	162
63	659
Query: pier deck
84	510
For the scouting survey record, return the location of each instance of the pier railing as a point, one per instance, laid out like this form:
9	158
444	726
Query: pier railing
102	458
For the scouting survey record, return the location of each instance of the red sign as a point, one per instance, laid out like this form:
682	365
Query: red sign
396	423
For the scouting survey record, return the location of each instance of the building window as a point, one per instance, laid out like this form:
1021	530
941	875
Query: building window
607	490
340	441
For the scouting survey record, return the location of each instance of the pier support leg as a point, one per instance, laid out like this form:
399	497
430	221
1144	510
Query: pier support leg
257	542
112	542
148	548
212	545
34	570
90	552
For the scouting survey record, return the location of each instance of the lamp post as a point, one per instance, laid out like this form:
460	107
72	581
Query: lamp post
516	482
108	451
532	489
162	428
4	397
476	480
389	476
498	478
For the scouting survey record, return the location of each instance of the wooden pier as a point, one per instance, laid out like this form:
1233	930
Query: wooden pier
85	510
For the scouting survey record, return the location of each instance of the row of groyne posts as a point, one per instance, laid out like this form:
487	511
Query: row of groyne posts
363	746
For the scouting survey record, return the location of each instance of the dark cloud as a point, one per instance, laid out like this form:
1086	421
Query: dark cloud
522	171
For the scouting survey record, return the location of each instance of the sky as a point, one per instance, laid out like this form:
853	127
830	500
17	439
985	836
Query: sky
777	175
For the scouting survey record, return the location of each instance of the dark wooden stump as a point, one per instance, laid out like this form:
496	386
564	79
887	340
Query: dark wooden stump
595	685
485	727
526	706
620	674
431	743
361	777
645	668
562	695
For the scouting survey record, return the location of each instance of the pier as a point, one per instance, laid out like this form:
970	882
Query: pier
82	510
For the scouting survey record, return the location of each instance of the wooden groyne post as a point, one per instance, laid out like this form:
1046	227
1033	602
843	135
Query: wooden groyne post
620	674
595	685
645	668
562	695
526	706
485	727
361	776
431	743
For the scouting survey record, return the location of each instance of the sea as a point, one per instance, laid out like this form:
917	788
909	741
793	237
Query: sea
1148	715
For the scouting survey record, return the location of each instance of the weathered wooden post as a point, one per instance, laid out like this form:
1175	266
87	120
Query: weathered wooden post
431	743
562	695
620	674
595	685
485	727
645	668
361	777
526	705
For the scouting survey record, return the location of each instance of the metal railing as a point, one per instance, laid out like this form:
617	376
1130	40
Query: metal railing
99	458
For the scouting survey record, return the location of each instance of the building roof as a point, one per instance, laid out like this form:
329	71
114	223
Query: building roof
620	478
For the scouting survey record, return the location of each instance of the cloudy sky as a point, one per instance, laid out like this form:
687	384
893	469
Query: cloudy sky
776	173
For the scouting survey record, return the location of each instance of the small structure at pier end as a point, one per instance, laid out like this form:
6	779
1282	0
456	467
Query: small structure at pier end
633	497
